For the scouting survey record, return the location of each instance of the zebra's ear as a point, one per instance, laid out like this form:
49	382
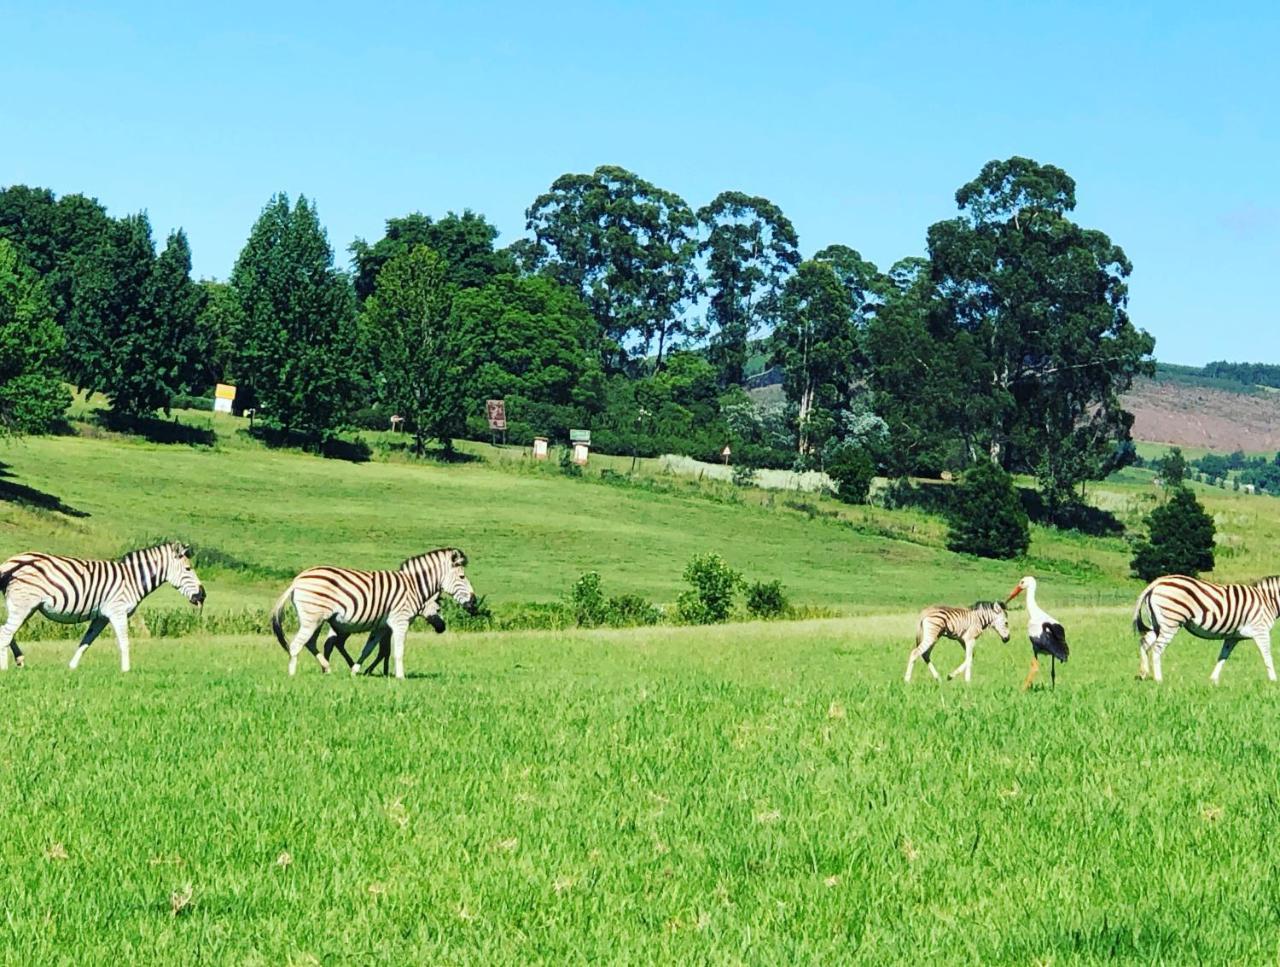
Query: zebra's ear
459	559
184	550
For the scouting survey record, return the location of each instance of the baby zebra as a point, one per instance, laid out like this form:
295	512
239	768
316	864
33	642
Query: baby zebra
964	625
68	590
354	601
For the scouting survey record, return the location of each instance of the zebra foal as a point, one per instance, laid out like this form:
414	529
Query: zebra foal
1228	613
380	602
69	590
964	625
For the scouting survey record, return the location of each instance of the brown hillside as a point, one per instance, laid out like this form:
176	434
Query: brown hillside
1195	416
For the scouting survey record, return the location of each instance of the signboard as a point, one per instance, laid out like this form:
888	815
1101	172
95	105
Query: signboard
496	410
580	436
223	395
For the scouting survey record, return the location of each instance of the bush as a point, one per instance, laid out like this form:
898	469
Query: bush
744	475
714	584
853	471
987	518
184	402
629	610
587	601
767	600
1179	539
567	466
460	620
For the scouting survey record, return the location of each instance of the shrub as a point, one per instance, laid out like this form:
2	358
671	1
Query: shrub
714	584
629	610
587	601
987	518
184	402
567	466
1172	468
744	475
767	600
460	620
1179	539
853	471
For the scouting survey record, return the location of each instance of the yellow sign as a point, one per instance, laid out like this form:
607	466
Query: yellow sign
224	392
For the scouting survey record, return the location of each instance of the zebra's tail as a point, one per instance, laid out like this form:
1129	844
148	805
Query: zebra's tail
8	570
276	626
1144	599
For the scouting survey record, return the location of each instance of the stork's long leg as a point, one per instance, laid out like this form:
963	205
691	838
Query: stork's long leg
1031	675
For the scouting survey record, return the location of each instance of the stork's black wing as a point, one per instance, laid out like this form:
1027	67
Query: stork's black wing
1053	640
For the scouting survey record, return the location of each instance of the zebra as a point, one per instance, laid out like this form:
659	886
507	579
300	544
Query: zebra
381	602
964	625
1219	612
69	590
379	638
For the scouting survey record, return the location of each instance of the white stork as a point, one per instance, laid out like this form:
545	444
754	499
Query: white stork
1045	631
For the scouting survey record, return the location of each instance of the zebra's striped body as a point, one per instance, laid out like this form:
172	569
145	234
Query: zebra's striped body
69	589
381	602
964	625
1228	613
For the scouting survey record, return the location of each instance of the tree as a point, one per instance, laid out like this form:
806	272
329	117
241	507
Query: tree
536	345
751	248
1173	468
628	248
817	347
853	472
465	242
32	396
296	342
987	517
1179	539
1041	304
416	347
218	325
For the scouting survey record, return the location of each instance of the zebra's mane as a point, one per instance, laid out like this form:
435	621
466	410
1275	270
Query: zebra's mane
458	557
987	606
172	547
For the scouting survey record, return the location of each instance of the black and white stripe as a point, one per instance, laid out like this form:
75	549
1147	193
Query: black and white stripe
380	602
1228	613
69	590
964	625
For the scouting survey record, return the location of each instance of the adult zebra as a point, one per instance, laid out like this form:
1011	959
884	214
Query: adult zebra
1228	613
69	590
352	601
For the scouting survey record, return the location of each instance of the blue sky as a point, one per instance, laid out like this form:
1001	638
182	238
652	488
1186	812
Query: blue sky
860	122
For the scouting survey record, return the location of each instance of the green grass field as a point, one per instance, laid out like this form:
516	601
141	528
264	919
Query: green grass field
746	793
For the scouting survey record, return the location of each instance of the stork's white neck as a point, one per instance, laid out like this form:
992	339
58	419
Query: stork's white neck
1035	614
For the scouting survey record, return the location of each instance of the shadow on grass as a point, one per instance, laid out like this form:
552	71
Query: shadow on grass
18	493
432	454
353	451
156	430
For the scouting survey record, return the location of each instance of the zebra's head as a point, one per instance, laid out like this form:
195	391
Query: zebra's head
455	583
180	573
994	616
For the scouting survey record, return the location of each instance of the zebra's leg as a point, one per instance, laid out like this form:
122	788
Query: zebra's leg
377	637
1157	652
397	646
339	643
1263	639
965	666
120	625
1144	650
18	614
95	629
306	633
921	650
383	657
1228	646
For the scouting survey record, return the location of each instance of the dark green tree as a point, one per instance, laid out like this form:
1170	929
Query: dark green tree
536	346
987	518
416	346
32	396
1043	302
1172	468
628	248
218	325
853	472
817	347
296	345
1179	539
751	248
465	242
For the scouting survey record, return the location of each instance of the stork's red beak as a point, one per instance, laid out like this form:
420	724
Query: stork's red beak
1016	591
